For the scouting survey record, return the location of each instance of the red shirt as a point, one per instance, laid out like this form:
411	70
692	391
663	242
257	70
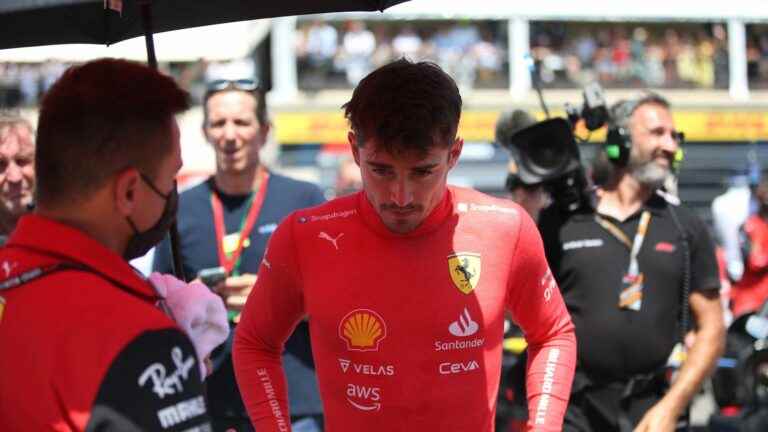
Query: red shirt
406	329
87	348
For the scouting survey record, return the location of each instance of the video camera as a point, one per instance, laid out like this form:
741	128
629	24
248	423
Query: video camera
547	154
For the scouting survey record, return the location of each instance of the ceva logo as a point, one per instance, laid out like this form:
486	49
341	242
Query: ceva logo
457	368
362	330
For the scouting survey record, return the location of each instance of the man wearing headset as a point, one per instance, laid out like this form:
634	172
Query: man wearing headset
627	270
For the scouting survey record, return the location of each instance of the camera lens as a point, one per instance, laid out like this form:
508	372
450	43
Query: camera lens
547	158
545	150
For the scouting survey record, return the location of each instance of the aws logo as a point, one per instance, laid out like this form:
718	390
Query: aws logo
364	398
362	330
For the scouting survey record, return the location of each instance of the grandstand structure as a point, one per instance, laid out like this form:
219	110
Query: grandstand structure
723	123
720	102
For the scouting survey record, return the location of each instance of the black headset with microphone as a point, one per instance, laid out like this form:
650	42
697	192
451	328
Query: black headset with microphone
618	143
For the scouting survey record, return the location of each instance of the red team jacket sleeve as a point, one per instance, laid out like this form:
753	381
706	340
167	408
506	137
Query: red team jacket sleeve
534	299
273	309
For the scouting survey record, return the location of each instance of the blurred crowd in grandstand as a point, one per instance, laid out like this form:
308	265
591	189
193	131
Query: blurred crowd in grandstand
339	54
568	54
336	54
620	55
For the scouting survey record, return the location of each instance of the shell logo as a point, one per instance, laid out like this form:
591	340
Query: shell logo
362	330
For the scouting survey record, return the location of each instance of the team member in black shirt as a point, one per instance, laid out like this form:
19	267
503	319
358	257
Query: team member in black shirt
623	273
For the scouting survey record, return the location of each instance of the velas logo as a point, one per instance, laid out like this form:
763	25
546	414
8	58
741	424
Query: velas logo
366	369
362	330
344	364
464	269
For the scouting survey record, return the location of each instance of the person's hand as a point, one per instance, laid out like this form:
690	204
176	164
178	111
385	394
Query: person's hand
660	418
235	289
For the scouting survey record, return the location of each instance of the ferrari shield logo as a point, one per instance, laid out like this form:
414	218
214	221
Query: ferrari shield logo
2	307
465	271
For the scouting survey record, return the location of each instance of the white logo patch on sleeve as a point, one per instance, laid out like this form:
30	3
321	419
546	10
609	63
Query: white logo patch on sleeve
164	383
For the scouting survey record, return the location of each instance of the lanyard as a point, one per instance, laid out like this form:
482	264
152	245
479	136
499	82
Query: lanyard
39	272
246	225
634	246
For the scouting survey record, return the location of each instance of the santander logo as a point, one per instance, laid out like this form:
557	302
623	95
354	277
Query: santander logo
464	326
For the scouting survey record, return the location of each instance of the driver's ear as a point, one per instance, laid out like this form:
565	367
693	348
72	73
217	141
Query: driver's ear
352	138
455	152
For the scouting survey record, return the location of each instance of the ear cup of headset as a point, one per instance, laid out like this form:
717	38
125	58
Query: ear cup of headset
618	145
678	160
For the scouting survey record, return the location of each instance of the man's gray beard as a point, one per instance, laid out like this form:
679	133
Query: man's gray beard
650	174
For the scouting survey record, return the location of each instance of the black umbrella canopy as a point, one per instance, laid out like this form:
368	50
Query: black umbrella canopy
25	23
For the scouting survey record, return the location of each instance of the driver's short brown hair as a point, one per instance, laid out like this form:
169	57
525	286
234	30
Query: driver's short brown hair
408	107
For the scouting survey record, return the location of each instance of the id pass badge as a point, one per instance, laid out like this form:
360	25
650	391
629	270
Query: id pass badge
631	296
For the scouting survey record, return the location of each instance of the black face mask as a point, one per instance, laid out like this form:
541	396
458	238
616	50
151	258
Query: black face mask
141	242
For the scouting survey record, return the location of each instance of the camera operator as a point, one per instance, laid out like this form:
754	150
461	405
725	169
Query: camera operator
531	197
627	270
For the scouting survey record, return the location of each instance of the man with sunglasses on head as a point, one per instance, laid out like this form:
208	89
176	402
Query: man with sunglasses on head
224	224
629	268
86	343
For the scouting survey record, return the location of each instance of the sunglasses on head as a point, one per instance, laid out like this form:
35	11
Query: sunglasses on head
240	84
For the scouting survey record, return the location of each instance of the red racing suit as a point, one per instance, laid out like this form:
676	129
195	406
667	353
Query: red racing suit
83	346
406	329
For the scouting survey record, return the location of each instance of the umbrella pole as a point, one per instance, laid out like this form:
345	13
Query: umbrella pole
146	19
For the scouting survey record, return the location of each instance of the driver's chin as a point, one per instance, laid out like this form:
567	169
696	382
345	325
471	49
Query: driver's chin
401	225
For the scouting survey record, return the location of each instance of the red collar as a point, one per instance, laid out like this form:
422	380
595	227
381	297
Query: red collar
43	236
435	220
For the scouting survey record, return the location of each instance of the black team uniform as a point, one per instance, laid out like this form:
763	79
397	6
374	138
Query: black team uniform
622	350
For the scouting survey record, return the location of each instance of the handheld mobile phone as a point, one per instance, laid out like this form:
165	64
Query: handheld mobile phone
212	276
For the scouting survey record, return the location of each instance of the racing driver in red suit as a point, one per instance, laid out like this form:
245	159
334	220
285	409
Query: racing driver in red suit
405	284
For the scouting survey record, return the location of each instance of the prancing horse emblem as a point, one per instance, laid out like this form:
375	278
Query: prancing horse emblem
465	270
